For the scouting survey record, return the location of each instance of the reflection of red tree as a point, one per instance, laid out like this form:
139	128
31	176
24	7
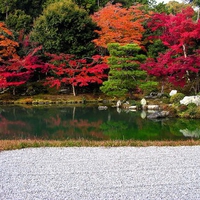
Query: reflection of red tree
55	121
8	128
75	128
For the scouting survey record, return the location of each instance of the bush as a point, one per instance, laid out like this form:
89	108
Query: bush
191	105
166	100
182	108
193	111
176	98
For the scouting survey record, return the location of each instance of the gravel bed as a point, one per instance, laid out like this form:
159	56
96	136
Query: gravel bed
90	173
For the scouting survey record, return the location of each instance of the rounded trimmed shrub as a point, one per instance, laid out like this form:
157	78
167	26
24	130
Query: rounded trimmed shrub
175	99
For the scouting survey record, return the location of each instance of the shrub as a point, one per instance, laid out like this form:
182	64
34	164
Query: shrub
182	108
176	98
191	105
166	100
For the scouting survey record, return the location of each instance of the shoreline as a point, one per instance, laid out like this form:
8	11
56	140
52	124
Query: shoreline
21	144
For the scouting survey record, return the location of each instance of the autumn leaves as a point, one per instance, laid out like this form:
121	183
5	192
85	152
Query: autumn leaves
168	42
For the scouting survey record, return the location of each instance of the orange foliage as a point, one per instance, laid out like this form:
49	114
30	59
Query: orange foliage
119	25
7	45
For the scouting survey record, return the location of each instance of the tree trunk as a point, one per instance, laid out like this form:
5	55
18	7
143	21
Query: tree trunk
197	84
14	91
73	90
197	15
184	51
185	55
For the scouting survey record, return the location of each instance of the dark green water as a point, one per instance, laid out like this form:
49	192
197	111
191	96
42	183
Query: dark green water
90	123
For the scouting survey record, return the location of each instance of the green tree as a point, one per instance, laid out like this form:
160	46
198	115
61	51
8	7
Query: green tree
175	7
125	74
7	5
64	27
128	3
18	21
161	8
31	7
89	5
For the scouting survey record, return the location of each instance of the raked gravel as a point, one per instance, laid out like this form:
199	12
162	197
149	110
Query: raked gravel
90	173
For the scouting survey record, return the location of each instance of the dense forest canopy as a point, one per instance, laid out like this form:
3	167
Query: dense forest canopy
119	46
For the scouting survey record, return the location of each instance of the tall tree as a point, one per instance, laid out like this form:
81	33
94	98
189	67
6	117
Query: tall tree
181	35
18	21
7	44
119	25
7	5
125	75
64	27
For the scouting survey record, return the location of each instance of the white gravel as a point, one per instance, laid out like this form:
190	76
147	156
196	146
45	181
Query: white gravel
122	173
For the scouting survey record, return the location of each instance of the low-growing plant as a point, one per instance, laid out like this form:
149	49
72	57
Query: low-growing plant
191	105
175	99
166	100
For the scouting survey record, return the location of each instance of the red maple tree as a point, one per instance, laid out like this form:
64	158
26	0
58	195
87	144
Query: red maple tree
181	62
21	70
68	70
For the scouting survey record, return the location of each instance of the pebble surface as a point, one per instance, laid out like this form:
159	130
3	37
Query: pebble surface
91	173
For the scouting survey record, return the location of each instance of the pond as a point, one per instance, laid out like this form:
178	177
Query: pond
70	122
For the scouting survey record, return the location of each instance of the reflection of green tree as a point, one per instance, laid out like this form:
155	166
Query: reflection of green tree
133	127
136	128
114	129
181	124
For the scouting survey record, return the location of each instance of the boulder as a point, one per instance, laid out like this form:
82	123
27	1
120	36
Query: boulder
132	107
119	103
159	114
173	92
102	107
143	102
152	107
191	99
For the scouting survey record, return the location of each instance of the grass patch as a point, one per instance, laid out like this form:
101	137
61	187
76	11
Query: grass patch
20	144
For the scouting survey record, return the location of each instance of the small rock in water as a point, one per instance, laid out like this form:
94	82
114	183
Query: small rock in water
160	114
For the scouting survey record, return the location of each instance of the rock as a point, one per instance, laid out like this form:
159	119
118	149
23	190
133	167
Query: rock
143	102
152	107
173	92
159	114
102	107
119	103
154	95
190	99
132	107
126	105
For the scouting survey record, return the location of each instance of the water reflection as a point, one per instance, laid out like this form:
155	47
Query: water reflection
191	133
90	123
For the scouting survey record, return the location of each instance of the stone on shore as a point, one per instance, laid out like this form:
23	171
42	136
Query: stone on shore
190	99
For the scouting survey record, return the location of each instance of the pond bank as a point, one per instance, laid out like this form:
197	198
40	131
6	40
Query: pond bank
55	99
20	144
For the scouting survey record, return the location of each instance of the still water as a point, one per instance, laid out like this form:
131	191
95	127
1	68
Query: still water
61	123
